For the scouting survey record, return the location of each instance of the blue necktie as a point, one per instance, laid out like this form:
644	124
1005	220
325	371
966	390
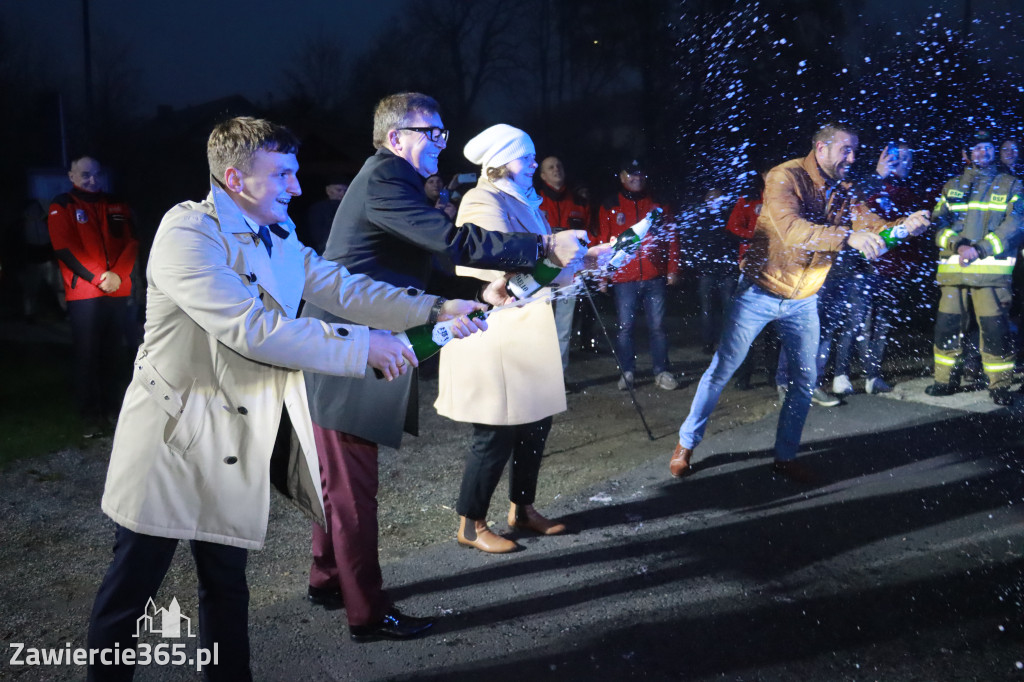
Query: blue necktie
264	233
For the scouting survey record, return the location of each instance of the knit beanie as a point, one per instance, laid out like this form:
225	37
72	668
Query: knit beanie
498	145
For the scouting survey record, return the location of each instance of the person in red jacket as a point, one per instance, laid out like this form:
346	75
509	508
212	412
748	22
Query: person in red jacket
644	277
95	247
564	209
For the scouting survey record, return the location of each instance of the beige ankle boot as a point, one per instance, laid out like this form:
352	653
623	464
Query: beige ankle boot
525	516
474	533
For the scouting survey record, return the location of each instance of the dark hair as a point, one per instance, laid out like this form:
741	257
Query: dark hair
234	143
830	130
394	111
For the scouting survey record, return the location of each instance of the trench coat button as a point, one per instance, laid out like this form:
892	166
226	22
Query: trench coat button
412	291
342	331
242	410
230	459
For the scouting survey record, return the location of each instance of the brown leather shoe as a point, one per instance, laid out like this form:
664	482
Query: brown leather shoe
679	465
477	534
795	471
525	516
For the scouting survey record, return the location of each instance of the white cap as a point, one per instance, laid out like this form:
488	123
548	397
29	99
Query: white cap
498	145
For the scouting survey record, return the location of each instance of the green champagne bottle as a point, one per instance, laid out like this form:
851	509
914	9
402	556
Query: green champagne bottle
525	284
627	243
893	236
427	339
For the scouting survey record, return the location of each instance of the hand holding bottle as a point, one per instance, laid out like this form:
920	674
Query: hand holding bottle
388	355
868	243
496	293
459	308
566	246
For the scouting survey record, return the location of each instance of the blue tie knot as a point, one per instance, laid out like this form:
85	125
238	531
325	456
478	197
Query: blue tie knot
264	233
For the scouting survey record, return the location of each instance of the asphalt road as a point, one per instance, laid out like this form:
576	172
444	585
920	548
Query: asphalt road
904	563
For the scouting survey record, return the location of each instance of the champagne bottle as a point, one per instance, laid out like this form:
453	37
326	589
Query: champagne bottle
427	339
525	284
627	243
893	236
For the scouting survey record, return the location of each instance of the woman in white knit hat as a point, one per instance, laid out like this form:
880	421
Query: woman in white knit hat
507	382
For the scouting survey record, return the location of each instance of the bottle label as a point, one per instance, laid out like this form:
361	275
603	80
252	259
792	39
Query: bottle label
442	333
628	242
522	285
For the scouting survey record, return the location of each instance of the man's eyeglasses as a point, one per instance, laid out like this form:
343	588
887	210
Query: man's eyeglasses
433	134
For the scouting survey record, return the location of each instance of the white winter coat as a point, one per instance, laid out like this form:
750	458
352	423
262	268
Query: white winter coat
511	373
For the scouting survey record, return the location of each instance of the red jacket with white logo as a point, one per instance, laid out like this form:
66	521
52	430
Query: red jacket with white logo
563	209
659	250
92	233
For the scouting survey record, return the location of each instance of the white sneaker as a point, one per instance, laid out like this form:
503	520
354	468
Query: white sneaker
666	381
877	386
820	397
841	385
625	381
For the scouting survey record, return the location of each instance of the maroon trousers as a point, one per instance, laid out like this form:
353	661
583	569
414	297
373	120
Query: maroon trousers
345	555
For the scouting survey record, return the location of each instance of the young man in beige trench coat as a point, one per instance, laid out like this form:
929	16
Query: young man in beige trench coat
218	373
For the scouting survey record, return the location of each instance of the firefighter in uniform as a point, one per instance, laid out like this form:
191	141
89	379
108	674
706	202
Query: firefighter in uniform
979	219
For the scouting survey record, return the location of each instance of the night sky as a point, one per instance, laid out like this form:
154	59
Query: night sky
191	51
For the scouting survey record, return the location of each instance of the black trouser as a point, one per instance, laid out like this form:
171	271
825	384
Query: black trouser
139	566
97	334
490	450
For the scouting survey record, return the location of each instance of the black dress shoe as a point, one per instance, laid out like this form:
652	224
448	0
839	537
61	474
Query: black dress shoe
1001	396
940	390
396	625
326	597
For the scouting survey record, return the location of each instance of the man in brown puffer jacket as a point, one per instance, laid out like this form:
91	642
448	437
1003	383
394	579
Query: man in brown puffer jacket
809	214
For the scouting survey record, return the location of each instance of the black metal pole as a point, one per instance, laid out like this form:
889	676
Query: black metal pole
608	338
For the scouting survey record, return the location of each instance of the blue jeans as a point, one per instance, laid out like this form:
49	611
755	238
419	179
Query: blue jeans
867	323
627	296
797	324
833	309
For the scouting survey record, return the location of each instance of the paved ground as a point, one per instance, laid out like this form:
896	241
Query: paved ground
904	563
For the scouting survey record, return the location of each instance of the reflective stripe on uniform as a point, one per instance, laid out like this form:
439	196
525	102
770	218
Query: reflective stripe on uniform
997	243
944	238
944	360
982	266
977	206
997	366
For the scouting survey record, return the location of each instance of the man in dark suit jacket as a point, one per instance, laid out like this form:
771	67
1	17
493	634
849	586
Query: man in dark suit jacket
386	228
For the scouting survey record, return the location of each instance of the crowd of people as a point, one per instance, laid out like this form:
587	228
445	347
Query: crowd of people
269	361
